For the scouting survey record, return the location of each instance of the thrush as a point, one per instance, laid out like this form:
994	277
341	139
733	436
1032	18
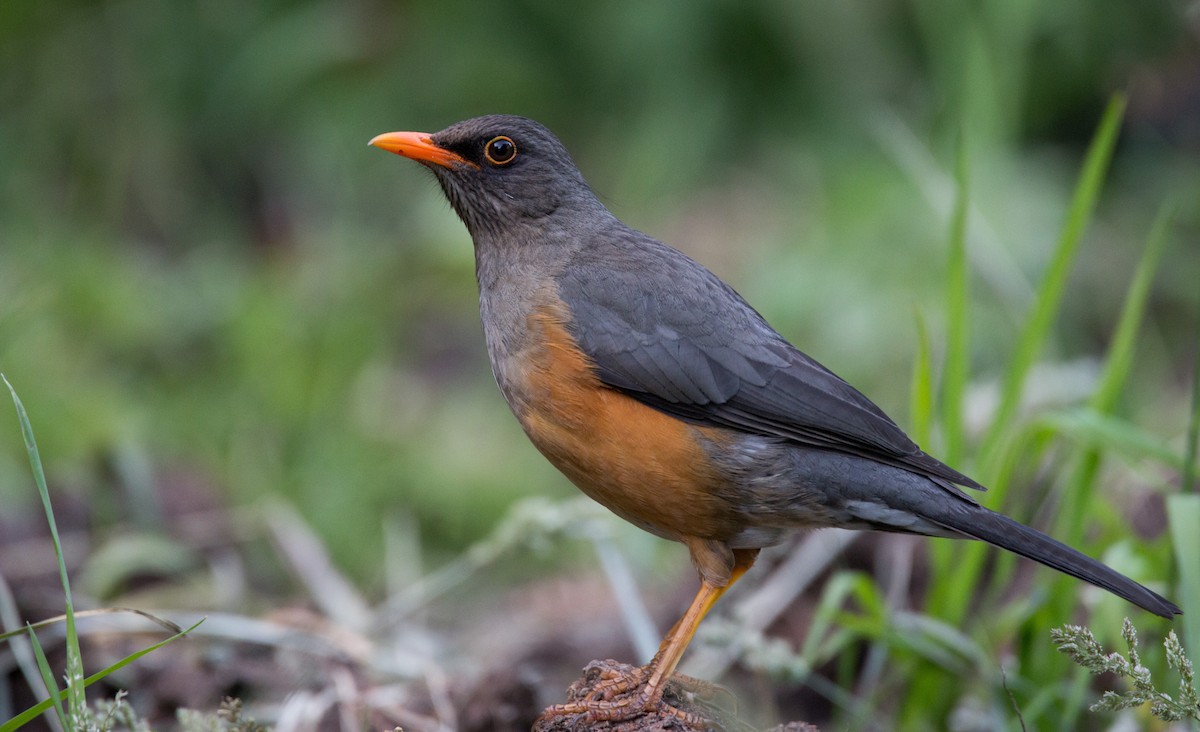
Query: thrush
663	395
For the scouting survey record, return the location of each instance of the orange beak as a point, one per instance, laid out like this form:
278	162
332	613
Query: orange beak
420	147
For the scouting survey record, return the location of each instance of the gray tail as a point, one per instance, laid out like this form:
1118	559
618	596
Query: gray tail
980	523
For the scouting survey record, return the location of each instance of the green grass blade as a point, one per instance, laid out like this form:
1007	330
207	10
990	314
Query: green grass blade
1092	430
1083	478
1117	365
1081	485
48	679
958	317
32	712
921	402
77	702
959	580
1183	516
833	597
1123	345
956	373
952	589
1049	296
1188	478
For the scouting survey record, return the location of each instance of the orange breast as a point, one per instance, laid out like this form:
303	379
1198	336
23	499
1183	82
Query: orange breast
643	465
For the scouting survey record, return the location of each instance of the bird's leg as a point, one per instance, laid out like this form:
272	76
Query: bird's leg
612	700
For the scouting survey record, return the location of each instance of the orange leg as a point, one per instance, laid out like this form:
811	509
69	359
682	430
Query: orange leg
601	705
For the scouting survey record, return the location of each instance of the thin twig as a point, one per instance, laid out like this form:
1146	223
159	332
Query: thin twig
307	558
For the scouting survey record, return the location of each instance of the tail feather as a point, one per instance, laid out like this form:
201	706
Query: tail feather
994	528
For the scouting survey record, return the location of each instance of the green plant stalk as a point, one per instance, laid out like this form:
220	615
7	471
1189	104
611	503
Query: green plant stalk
1124	341
76	701
1117	365
951	598
1108	433
1188	479
958	358
960	567
954	380
921	400
1081	483
1049	297
958	584
31	713
48	678
1183	516
958	320
1083	479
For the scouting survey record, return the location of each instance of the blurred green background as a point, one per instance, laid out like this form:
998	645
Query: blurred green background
205	271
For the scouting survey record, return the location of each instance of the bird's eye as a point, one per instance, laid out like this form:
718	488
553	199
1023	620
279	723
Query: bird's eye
500	150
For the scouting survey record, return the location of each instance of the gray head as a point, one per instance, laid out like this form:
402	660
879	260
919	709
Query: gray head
498	171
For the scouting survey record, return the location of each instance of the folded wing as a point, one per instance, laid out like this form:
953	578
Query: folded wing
670	334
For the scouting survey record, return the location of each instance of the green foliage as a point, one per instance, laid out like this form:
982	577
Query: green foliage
1183	516
75	713
77	702
958	318
1036	330
1081	646
961	578
65	718
921	399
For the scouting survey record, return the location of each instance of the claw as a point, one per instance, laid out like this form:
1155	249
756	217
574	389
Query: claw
625	695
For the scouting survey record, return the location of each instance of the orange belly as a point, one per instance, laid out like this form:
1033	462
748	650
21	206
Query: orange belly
641	464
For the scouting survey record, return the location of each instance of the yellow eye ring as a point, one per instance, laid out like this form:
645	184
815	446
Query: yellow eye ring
500	150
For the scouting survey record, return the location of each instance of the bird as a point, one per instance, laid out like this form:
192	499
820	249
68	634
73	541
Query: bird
662	394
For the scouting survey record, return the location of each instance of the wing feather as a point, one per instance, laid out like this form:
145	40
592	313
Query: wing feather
668	332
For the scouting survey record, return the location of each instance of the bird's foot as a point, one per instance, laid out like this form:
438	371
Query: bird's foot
614	693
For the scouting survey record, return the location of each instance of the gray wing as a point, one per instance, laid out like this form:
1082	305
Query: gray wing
669	333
